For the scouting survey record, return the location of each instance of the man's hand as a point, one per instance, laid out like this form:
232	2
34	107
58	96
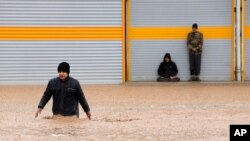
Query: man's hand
194	49
39	110
88	115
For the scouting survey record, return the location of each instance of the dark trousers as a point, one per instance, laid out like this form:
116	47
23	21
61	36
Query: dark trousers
195	64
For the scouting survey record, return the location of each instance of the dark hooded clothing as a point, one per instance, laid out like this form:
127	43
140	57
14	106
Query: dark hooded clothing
167	69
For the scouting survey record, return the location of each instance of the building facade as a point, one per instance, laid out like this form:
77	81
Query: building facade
113	41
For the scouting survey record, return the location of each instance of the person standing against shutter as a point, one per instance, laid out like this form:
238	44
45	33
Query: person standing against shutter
194	44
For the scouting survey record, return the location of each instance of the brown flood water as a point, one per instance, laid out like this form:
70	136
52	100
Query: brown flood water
129	112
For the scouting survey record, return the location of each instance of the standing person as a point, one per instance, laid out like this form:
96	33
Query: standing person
194	44
66	92
167	70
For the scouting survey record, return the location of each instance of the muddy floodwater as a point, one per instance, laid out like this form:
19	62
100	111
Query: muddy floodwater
130	112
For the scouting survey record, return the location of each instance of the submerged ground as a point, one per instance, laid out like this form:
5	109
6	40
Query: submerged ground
130	112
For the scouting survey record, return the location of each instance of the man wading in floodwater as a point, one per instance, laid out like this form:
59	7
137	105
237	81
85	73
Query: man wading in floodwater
66	92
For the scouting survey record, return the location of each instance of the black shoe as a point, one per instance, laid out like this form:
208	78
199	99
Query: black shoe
198	79
192	78
163	79
177	79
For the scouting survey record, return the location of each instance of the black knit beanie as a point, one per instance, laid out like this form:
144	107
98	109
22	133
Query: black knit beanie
195	25
64	66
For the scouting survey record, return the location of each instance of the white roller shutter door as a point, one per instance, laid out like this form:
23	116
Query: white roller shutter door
146	55
35	62
248	41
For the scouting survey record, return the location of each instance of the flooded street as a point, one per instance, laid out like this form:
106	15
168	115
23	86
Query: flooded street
129	112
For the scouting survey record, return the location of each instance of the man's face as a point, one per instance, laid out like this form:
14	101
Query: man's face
194	29
63	75
167	59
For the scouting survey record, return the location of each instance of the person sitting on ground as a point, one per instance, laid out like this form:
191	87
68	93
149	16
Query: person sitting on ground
167	70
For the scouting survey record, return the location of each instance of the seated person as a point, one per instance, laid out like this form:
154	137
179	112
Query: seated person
167	70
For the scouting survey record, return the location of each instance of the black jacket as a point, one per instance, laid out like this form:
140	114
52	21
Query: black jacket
66	95
167	69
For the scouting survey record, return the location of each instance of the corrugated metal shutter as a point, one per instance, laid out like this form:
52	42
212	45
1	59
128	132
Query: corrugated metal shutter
146	55
35	61
248	41
60	12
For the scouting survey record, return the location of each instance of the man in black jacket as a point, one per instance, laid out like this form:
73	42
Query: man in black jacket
66	92
167	70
